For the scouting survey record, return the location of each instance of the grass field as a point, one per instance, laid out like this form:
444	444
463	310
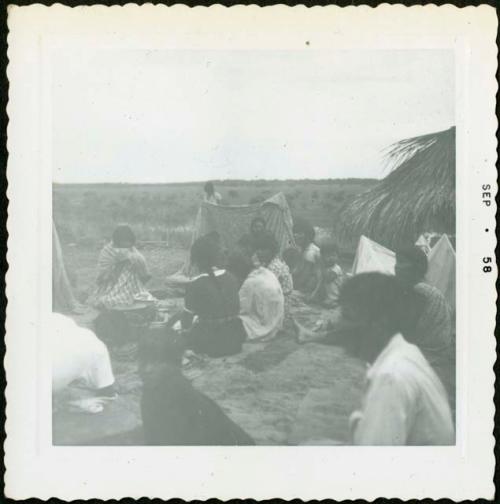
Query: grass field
86	213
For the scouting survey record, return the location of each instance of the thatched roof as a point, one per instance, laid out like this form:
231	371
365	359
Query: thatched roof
417	196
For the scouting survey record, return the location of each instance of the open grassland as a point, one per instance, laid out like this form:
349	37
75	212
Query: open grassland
86	213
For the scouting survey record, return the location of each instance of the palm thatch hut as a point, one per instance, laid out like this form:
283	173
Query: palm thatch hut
417	196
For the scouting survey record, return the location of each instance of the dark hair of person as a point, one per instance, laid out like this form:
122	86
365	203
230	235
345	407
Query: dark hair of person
377	299
123	236
209	188
204	253
240	265
301	225
415	256
329	247
258	219
267	244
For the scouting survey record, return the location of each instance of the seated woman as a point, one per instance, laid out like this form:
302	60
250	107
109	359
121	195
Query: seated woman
307	276
213	298
122	272
431	320
248	242
327	295
262	301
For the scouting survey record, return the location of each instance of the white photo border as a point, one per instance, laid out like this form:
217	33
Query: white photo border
35	468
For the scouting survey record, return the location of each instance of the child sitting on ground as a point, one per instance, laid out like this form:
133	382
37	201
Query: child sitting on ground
332	275
327	293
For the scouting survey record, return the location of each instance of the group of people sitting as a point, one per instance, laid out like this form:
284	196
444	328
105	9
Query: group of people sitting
397	324
236	295
244	294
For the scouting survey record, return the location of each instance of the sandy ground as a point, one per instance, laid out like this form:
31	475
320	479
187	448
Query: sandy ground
280	392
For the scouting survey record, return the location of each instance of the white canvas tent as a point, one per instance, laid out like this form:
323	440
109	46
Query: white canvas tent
441	270
371	256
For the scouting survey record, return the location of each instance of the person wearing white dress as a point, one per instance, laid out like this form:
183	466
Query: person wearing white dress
262	304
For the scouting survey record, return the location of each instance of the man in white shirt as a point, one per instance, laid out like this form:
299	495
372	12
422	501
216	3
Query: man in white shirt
405	402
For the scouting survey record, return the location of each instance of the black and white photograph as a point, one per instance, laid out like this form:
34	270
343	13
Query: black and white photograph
254	247
251	242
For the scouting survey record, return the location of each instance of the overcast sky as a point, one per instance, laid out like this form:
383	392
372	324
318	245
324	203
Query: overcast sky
172	116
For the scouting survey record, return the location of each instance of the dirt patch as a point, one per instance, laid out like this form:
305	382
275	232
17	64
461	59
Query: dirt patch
268	393
267	402
270	356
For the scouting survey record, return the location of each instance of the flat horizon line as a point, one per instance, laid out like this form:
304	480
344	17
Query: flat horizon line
224	181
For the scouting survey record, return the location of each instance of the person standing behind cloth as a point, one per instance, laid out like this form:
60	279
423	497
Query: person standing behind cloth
405	402
211	196
212	297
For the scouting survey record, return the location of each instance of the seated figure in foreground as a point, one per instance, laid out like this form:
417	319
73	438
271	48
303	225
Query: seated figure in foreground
405	402
173	411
